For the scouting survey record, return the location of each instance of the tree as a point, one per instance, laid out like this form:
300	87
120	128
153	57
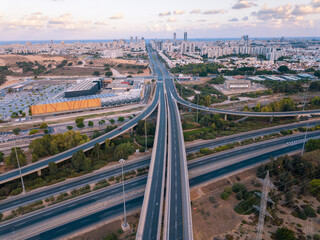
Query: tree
69	128
120	119
123	150
96	151
53	168
12	159
80	63
317	74
1	156
284	234
16	131
107	143
79	122
80	162
289	198
112	121
238	187
314	187
108	74
283	69
312	144
96	73
43	125
90	124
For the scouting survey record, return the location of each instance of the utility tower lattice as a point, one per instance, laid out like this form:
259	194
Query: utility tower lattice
267	186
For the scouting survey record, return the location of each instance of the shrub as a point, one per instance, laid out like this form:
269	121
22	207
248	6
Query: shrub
316	237
309	211
238	187
43	125
69	128
206	151
33	131
224	195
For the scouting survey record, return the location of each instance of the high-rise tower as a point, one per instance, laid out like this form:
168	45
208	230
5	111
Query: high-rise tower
185	36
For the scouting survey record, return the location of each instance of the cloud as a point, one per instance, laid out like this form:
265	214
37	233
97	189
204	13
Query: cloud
233	20
241	4
160	28
212	11
34	21
117	16
201	20
302	9
179	12
66	22
166	13
195	11
101	23
171	19
245	18
315	3
282	12
62	19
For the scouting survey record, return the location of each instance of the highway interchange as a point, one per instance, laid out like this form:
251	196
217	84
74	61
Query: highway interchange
177	225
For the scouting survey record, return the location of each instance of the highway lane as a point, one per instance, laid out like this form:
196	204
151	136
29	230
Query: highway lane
250	149
247	135
5	177
56	210
241	113
174	216
137	202
72	184
243	164
65	207
109	213
151	213
178	222
104	174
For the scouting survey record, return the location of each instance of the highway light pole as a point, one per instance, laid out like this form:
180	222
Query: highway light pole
22	183
305	134
198	105
125	225
145	134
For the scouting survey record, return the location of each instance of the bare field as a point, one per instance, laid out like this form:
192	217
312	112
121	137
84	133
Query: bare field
12	59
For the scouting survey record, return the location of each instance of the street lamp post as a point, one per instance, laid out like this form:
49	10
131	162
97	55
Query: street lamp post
305	134
22	183
125	226
198	105
145	133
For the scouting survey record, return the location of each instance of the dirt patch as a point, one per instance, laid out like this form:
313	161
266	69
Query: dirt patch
12	59
211	216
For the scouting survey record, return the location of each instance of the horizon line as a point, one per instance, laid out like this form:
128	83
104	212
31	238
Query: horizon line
112	39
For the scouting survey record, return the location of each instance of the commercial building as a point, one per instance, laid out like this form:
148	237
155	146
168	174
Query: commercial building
84	88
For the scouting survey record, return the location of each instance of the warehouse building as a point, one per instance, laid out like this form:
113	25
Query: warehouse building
84	88
87	102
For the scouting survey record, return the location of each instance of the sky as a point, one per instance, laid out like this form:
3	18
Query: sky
106	19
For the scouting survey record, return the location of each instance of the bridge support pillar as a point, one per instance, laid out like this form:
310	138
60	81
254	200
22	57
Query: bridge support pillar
39	173
225	117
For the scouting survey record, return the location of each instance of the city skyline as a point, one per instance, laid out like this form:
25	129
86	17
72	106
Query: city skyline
60	19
